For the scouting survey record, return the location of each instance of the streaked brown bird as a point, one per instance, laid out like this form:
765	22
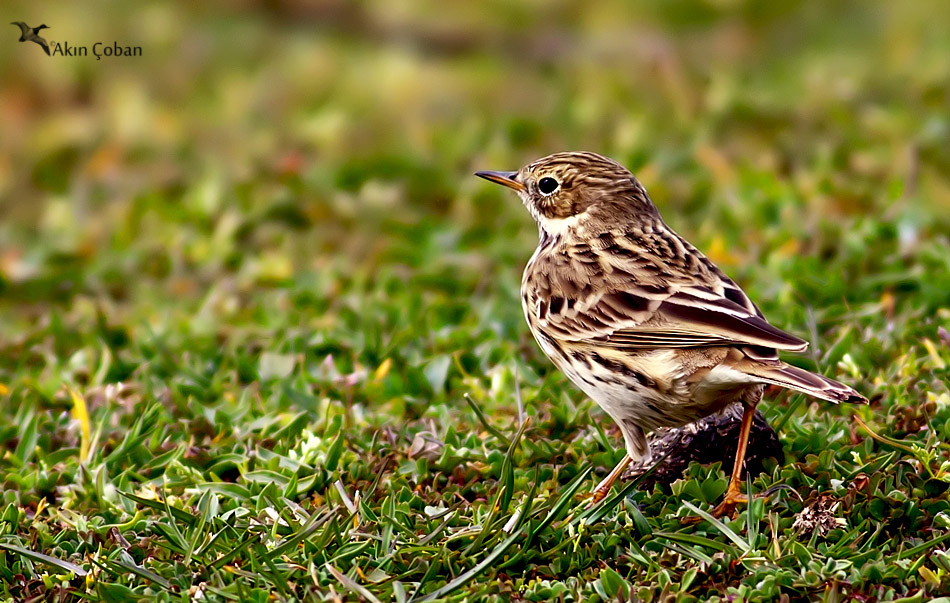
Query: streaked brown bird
638	318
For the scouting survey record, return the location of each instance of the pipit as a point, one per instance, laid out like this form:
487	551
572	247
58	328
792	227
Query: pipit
639	319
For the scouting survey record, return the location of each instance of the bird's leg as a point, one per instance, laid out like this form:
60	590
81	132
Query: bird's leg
603	488
734	494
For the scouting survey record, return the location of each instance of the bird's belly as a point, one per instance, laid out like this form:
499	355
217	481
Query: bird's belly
646	391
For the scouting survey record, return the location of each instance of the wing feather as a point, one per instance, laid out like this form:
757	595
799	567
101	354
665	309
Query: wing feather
626	307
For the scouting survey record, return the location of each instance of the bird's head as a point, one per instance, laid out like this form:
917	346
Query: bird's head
44	26
581	191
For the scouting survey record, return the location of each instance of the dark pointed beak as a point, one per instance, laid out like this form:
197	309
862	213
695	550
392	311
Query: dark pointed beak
503	178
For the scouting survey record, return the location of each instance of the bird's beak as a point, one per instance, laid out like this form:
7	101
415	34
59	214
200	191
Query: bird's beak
503	178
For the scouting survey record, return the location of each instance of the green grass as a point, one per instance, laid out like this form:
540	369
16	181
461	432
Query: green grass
259	259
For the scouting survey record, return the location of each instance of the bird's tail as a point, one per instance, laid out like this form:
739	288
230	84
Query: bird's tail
806	382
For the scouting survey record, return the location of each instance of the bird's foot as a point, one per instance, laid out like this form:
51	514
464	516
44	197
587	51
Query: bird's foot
735	497
727	507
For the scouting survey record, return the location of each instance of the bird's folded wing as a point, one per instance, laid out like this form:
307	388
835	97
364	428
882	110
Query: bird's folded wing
673	317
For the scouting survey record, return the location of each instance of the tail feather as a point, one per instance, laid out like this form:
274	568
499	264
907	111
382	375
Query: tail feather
807	382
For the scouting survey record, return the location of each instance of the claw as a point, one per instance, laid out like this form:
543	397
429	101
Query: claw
726	508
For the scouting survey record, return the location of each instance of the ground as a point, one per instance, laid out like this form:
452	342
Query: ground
260	333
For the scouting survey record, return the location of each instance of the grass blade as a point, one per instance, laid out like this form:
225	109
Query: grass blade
565	500
351	585
470	574
726	530
484	420
158	505
65	566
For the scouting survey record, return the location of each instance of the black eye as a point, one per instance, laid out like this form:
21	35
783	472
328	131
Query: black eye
547	185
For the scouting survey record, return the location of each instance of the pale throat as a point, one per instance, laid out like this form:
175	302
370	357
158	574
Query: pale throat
558	227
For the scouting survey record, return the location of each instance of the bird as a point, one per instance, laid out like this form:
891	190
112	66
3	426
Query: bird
638	318
31	34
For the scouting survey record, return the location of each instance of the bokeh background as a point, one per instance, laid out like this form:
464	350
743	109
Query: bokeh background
272	211
265	140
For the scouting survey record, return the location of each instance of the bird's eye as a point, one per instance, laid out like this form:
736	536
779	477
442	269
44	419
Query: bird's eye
547	185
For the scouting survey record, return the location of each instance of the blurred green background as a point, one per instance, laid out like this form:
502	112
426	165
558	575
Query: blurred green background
272	211
360	123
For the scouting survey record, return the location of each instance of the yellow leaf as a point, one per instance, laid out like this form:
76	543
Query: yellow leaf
789	248
934	355
929	576
82	415
383	370
719	253
4	390
888	303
